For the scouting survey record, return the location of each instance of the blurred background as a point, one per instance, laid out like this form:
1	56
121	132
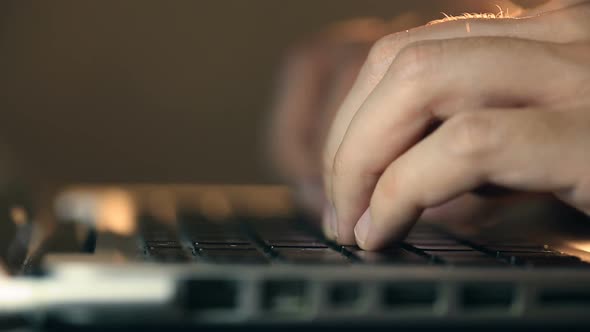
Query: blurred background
141	90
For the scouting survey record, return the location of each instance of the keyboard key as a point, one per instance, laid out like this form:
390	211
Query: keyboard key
541	259
483	262
523	243
432	242
168	255
229	245
566	261
296	244
522	248
444	247
220	237
163	244
455	253
232	256
473	257
225	242
389	256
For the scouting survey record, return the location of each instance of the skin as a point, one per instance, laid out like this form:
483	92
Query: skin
355	172
513	99
316	75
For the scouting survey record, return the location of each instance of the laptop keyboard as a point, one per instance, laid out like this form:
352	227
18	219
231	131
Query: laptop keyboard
291	241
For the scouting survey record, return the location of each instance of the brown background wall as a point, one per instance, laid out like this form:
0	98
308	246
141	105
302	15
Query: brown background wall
154	90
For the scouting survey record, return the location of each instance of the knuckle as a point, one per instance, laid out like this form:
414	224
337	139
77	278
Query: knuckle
383	52
472	135
416	59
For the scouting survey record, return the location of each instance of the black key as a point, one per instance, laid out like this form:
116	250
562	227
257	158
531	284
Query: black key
312	256
467	258
444	247
455	253
212	234
296	244
233	256
169	255
163	244
523	257
477	262
432	242
220	238
389	256
521	243
272	239
557	261
545	259
427	237
519	248
229	245
222	242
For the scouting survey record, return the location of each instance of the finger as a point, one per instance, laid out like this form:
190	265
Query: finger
430	81
530	150
386	49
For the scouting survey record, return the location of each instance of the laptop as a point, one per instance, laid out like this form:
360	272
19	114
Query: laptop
209	256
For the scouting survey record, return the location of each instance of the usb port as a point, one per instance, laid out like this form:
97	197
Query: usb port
409	295
207	294
285	296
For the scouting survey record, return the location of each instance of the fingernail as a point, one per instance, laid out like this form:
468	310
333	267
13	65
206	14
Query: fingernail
329	221
361	230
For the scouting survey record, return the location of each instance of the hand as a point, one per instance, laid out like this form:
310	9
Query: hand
513	98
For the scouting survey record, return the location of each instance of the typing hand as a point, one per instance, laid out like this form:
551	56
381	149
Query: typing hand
513	99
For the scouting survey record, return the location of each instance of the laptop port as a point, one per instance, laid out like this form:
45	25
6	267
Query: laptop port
564	297
207	294
474	297
285	296
343	295
409	295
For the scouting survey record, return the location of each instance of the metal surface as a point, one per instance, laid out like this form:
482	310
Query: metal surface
112	284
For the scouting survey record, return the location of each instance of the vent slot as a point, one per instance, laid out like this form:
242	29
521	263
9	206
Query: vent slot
564	297
484	296
344	295
285	296
207	294
409	295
